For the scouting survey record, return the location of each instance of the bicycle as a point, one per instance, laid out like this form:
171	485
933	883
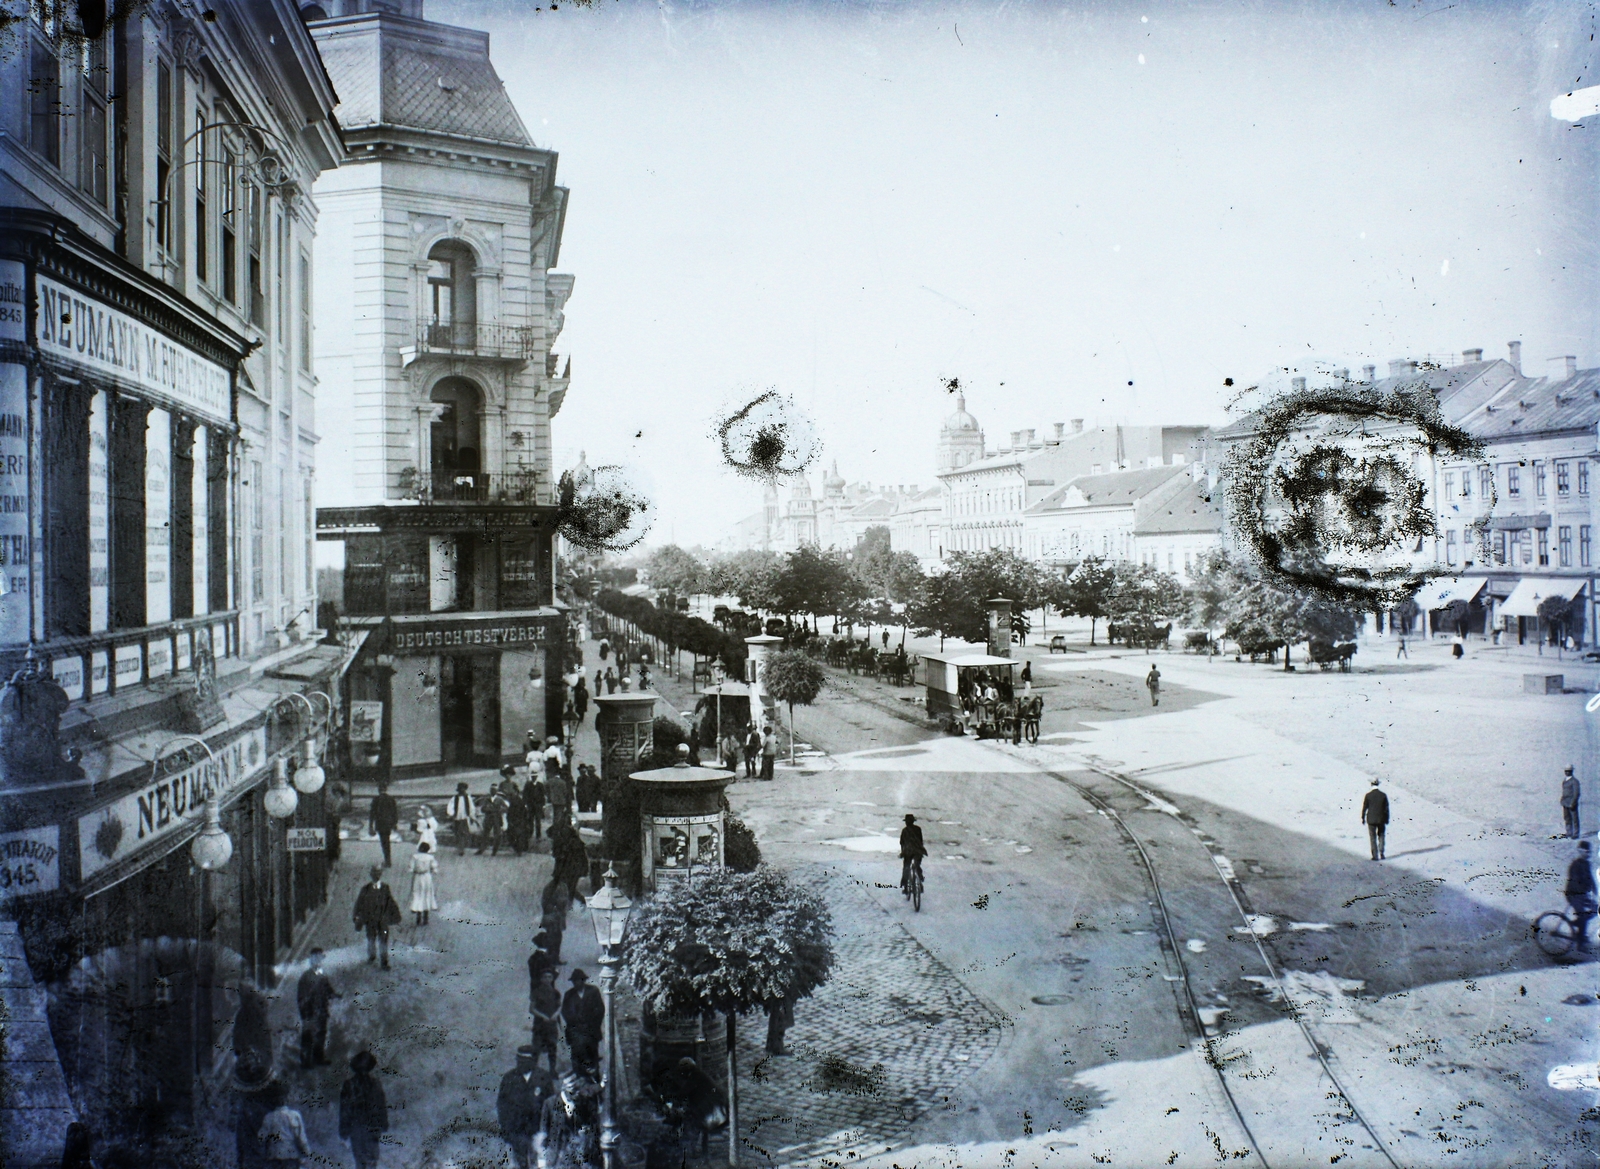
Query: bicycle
911	886
1557	932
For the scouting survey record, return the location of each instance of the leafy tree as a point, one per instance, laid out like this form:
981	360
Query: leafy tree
1262	610
732	943
1214	583
1143	596
1087	591
749	575
943	606
889	577
791	676
672	570
1554	615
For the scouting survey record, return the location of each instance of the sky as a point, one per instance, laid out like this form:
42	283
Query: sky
1083	210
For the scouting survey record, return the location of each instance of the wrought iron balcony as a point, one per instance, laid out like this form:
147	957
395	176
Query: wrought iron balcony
470	487
469	339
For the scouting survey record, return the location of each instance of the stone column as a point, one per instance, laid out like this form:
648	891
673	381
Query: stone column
623	722
999	626
761	703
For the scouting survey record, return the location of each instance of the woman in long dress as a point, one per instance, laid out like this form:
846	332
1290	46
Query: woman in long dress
427	829
423	866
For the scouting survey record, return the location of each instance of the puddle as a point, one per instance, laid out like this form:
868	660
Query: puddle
953	857
867	843
1575	1077
1195	946
1052	1000
1259	924
1323	997
1022	848
1579	1000
950	821
1315	926
862	804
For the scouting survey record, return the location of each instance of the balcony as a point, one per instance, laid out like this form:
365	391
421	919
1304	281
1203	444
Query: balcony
499	342
469	487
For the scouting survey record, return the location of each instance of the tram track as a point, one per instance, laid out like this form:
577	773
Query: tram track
1221	868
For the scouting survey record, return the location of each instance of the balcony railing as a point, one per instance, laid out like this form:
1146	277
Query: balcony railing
471	487
105	663
476	339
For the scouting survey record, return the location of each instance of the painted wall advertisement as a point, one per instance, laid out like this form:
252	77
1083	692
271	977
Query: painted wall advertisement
167	805
366	721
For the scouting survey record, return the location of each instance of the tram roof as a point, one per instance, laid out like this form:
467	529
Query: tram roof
969	660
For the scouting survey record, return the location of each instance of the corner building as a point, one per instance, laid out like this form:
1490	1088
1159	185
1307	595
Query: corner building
437	501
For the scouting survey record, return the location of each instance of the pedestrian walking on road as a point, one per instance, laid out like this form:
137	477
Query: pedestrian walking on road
752	751
584	1013
605	648
571	858
544	1004
363	1111
567	1138
1571	793
599	684
427	828
580	697
495	806
1027	672
1375	815
384	818
1458	648
1152	682
519	828
611	680
1401	651
375	912
460	814
520	1106
553	917
283	1134
314	994
769	752
534	795
1580	891
423	867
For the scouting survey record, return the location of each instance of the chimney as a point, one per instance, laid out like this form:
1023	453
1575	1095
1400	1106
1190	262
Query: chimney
1344	374
1177	459
1016	438
1369	373
1060	428
1077	426
1030	436
1515	350
1298	384
1572	366
1096	469
1397	367
1471	356
1411	367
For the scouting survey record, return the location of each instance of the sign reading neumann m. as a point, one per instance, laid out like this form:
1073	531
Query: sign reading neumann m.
163	807
75	328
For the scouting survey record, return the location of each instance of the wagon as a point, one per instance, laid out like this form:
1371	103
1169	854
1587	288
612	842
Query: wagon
1058	643
954	694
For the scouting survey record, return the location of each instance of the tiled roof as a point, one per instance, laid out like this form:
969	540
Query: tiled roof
1192	509
1115	487
1534	405
395	73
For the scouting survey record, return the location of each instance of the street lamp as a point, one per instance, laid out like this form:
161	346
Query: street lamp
309	776
570	719
608	910
212	849
281	800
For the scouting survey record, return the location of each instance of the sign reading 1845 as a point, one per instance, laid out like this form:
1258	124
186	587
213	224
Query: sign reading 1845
30	862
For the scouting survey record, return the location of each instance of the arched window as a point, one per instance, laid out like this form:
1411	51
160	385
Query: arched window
456	441
452	307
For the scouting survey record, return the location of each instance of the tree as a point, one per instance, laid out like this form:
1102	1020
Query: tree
1214	584
731	943
1554	615
1088	590
1143	596
791	676
749	575
889	577
672	570
943	606
1263	611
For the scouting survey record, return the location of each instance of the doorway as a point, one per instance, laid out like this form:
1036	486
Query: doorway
469	710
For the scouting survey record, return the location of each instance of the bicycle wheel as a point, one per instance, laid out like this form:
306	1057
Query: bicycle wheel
1555	934
916	894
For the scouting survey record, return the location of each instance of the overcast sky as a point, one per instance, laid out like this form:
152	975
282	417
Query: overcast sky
850	202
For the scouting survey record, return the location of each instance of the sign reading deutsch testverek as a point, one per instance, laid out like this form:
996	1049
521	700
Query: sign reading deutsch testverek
488	634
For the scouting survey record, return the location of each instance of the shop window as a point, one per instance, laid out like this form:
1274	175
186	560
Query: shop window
44	104
1584	557
1538	480
1525	540
1563	477
1564	545
1543	536
1499	547
1513	479
92	125
1450	546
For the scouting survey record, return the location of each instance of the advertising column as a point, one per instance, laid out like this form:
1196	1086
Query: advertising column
16	575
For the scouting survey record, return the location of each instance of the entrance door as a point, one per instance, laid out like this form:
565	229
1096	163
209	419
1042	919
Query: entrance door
455	710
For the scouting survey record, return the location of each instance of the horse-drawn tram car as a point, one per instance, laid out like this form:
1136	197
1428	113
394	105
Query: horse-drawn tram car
977	691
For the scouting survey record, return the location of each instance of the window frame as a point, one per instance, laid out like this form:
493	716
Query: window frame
1513	479
94	147
1564	545
1539	485
1563	478
44	102
1585	545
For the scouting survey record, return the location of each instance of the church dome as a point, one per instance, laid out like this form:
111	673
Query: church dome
961	420
801	488
833	478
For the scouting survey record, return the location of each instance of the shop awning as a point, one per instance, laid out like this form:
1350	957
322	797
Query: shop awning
1532	591
1440	591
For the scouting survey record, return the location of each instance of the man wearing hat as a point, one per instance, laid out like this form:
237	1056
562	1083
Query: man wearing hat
912	850
567	1138
1580	892
1571	792
1375	815
376	911
384	818
544	1004
363	1111
520	1106
314	994
459	813
584	1012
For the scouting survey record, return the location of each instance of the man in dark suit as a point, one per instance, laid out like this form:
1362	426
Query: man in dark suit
385	816
363	1111
912	850
314	994
520	1106
584	1012
544	1004
375	912
1375	815
1571	792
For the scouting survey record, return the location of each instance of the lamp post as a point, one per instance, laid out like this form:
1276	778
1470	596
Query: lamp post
281	800
608	910
570	719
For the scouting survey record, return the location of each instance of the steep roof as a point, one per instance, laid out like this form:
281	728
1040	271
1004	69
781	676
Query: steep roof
1110	489
417	75
1190	509
1539	405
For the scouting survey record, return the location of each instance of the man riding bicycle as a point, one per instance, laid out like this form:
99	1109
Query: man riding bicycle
912	850
1580	891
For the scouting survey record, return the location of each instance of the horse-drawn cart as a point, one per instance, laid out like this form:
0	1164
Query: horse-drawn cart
972	690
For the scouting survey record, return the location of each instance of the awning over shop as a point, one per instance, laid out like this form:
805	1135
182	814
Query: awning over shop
1440	591
1532	591
1516	523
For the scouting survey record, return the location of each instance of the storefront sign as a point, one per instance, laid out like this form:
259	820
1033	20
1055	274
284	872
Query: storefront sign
366	721
72	327
13	301
489	634
30	862
16	570
308	839
167	805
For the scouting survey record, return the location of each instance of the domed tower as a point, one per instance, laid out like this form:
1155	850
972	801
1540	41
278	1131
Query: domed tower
833	483
960	439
